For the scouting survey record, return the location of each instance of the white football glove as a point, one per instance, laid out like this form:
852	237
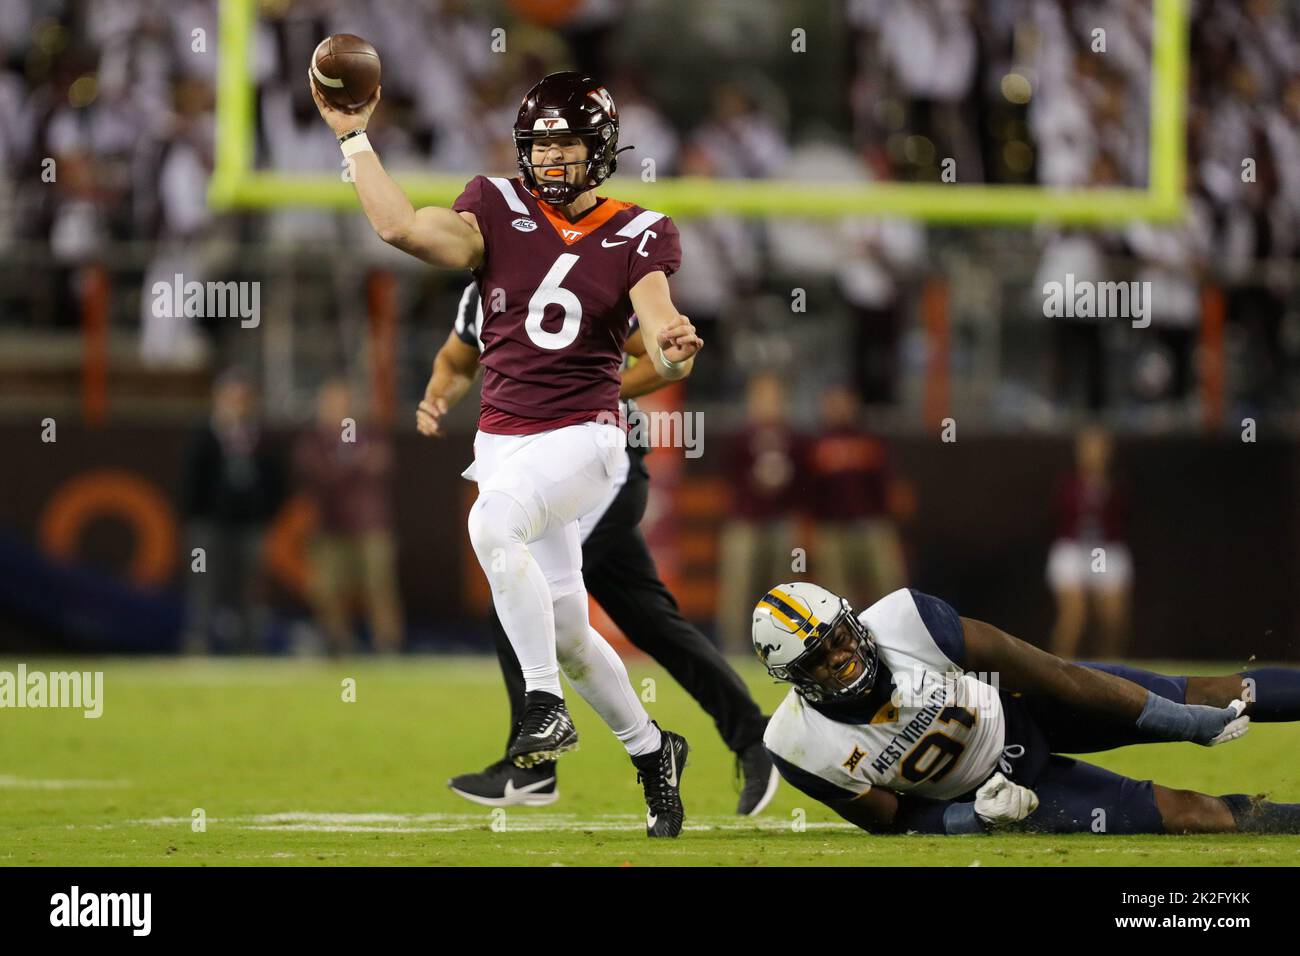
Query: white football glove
1236	728
1000	801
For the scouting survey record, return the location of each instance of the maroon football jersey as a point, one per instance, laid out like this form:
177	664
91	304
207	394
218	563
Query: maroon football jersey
555	302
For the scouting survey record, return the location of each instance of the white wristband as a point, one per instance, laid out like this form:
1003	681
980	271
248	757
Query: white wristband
668	363
356	144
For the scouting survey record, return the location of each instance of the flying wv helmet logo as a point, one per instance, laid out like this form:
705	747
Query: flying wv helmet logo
764	650
601	96
792	614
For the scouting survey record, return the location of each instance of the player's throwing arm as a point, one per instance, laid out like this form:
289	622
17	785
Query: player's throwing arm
439	236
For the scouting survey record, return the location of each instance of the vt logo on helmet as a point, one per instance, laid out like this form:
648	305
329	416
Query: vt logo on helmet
568	104
809	637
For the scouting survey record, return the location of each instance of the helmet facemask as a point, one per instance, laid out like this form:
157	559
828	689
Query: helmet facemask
810	672
600	164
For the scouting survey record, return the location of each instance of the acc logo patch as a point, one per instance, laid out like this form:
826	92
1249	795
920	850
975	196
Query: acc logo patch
524	225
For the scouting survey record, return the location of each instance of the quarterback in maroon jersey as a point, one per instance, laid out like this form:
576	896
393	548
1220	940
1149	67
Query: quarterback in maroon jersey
560	271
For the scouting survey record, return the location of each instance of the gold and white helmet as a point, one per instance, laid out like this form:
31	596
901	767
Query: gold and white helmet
796	626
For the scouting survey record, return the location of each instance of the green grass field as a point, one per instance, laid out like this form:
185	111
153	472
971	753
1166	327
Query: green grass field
286	772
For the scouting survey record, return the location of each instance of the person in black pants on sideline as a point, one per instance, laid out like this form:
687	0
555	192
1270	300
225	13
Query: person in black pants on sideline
620	574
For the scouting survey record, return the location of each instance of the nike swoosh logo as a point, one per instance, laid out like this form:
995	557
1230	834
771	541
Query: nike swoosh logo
549	729
511	789
672	763
606	244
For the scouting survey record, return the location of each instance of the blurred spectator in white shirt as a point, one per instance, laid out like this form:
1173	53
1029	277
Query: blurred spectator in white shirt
742	141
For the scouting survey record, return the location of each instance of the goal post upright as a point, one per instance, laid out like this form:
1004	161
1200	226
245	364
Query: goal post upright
237	185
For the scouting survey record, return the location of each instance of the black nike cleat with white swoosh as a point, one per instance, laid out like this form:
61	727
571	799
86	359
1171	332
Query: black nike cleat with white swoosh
545	732
505	785
660	775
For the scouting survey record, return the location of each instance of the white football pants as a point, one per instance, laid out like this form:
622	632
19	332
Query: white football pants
525	530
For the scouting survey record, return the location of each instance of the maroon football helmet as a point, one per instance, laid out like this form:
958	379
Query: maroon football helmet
578	105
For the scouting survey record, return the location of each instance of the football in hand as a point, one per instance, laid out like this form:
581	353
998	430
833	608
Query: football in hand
345	68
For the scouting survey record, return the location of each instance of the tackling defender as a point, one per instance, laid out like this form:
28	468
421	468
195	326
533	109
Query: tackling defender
887	725
560	272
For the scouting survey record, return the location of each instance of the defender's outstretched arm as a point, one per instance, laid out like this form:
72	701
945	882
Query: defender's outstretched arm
1023	668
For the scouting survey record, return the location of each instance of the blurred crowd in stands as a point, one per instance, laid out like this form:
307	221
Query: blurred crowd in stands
236	480
107	142
830	503
120	94
823	503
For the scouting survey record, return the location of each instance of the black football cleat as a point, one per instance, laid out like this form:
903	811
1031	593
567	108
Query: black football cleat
759	778
660	774
545	732
505	785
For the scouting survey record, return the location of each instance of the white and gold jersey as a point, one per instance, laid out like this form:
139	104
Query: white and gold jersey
928	728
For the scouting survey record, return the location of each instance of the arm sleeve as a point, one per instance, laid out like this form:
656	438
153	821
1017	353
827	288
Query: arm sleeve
944	626
660	252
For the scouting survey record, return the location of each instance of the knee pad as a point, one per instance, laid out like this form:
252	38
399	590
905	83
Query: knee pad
497	520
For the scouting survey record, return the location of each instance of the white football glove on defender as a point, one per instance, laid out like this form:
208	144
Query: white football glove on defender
1000	801
1236	728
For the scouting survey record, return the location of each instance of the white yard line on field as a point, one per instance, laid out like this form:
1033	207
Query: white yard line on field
516	820
24	783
